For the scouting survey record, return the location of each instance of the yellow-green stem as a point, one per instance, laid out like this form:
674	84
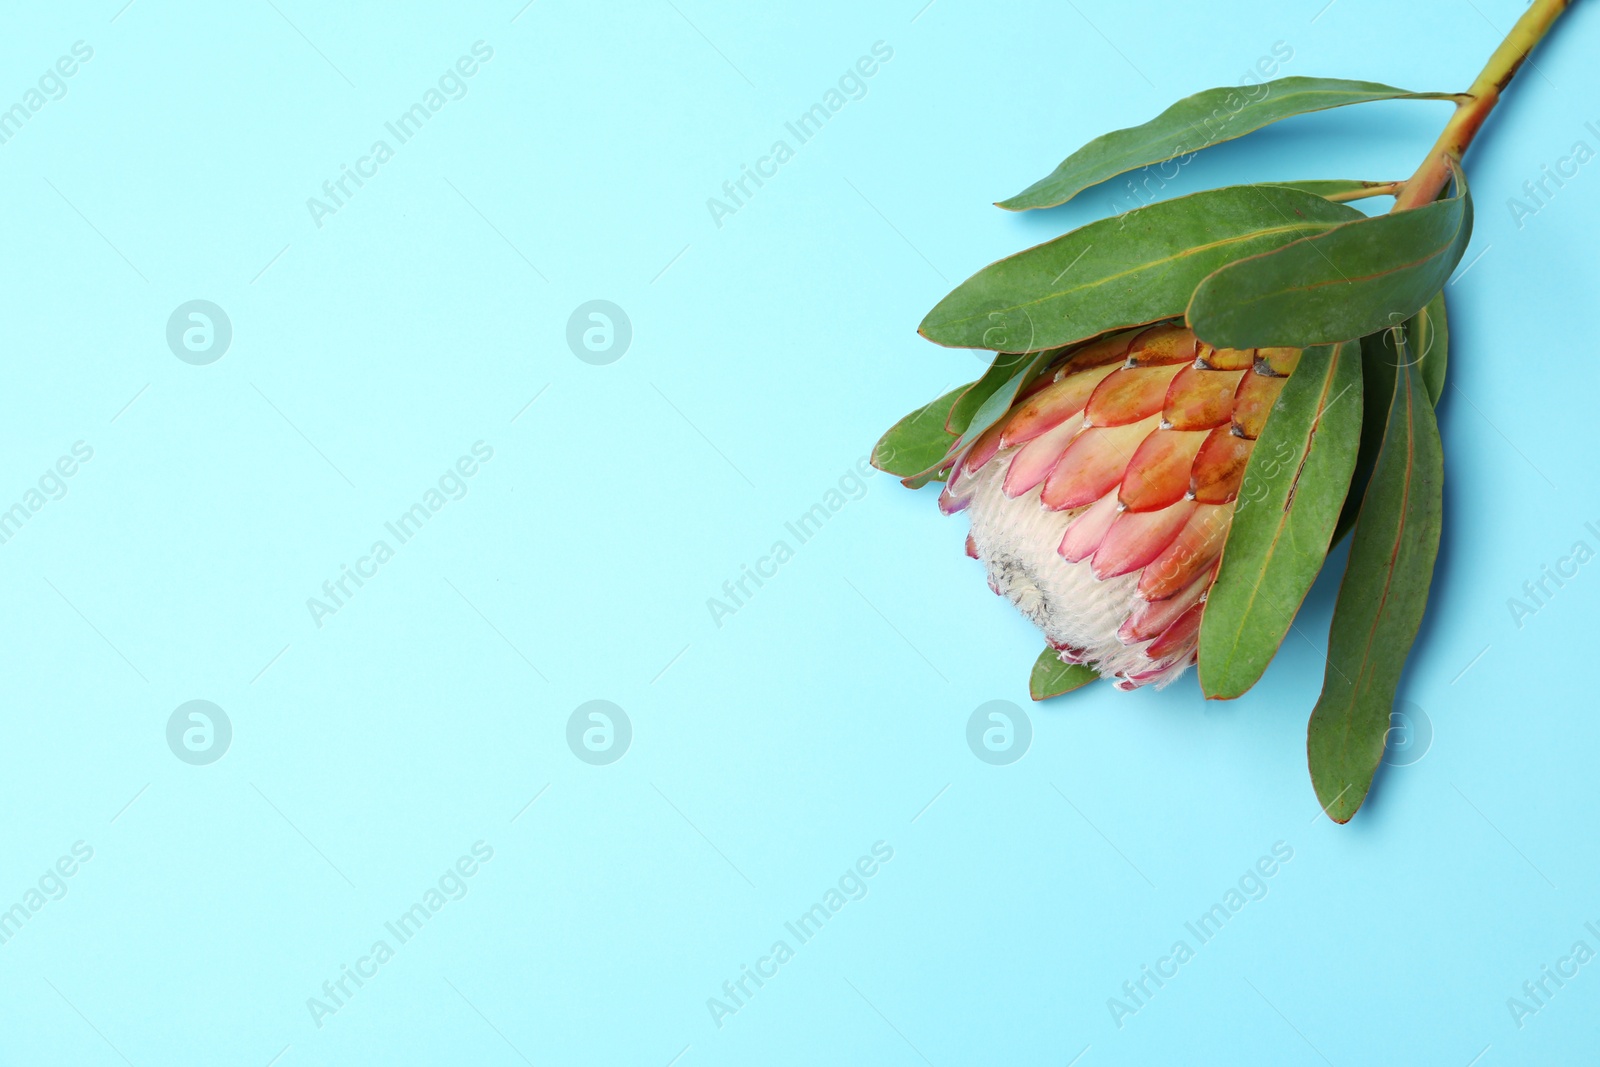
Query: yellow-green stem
1368	189
1424	186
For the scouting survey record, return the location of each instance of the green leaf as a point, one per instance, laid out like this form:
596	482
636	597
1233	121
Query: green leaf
1135	268
1428	334
1294	485
921	445
1424	338
1001	370
972	408
1051	677
1379	360
1195	122
1381	601
999	401
918	441
1347	282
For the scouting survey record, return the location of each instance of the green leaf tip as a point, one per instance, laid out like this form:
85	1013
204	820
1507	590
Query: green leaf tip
1381	601
1207	118
918	441
1051	677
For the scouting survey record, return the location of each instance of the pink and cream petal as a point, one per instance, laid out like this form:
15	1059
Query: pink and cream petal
983	449
1161	345
1053	405
1034	460
1137	537
1158	474
1129	394
1191	552
1085	533
1251	404
1219	466
1200	399
1150	619
1093	464
1180	636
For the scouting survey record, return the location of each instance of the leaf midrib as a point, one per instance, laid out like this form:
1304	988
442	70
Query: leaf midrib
1147	265
1388	578
1152	138
1283	522
1345	279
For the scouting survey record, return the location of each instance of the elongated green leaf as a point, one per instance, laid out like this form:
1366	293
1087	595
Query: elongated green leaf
920	446
1001	370
1000	401
1350	281
1424	339
1381	601
1051	677
1379	359
1119	272
1428	335
1294	485
932	474
917	441
1195	122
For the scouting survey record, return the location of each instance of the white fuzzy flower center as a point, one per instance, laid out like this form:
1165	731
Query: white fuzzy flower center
1017	540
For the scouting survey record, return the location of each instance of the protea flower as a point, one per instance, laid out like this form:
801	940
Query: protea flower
1191	402
1101	500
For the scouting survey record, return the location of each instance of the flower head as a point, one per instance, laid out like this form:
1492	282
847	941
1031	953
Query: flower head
1100	501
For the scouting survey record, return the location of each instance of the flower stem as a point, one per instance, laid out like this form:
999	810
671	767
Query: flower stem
1367	189
1424	186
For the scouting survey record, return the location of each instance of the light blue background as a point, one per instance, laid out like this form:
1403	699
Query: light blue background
830	710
